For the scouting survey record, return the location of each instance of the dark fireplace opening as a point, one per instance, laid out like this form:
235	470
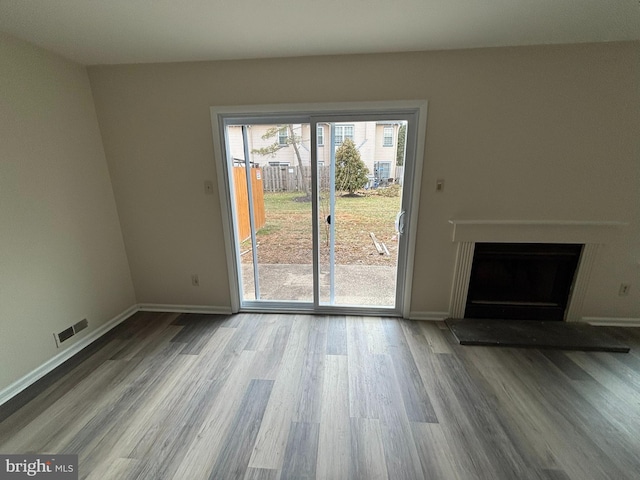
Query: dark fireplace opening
521	281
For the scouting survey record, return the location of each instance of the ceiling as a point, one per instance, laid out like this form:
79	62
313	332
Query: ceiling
142	31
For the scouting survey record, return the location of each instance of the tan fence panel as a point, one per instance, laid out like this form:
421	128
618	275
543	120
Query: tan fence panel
257	184
242	201
280	179
286	179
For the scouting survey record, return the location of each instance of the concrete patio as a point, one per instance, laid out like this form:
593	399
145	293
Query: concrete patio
362	285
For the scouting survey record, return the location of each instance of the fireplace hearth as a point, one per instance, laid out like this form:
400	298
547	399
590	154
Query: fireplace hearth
521	281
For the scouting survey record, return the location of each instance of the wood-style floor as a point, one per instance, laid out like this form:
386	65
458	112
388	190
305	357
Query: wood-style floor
189	397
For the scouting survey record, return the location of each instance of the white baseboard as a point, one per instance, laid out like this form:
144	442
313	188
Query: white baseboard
430	316
30	378
612	321
206	309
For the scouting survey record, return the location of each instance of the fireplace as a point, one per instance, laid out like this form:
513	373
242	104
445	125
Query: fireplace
589	235
521	281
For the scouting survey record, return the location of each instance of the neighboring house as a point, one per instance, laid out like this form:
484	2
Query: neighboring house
377	143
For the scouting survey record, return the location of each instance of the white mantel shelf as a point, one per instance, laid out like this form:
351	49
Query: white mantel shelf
535	231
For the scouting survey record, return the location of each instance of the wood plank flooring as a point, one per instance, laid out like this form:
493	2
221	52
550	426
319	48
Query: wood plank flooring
257	396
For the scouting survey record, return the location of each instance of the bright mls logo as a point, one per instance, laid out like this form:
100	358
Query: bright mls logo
51	467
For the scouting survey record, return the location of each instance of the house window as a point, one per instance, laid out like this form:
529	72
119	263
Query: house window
383	170
320	136
279	164
282	137
387	138
343	132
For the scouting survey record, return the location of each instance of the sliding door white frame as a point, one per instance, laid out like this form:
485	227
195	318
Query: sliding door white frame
415	111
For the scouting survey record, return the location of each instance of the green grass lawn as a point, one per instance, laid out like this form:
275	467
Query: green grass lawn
287	235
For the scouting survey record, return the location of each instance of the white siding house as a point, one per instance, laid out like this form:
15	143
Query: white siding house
377	143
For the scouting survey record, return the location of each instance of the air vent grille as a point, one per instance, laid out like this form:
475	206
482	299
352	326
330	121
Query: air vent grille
67	333
81	325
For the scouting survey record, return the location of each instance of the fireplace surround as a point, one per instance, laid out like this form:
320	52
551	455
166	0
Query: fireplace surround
592	235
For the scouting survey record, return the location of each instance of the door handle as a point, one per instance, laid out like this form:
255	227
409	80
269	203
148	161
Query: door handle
400	222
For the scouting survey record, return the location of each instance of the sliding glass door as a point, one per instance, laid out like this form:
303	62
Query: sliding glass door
360	184
271	184
318	206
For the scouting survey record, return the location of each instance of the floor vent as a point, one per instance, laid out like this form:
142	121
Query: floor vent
67	333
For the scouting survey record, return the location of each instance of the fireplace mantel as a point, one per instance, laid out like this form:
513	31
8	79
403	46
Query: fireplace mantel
591	234
534	231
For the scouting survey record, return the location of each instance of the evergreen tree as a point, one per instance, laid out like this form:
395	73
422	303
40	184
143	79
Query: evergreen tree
402	139
351	172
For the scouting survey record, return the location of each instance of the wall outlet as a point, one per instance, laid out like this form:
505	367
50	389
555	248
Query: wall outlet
195	280
624	289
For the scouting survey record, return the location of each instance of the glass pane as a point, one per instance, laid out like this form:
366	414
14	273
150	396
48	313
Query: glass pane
360	177
280	185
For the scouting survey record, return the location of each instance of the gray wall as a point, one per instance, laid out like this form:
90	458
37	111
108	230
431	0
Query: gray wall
531	133
62	255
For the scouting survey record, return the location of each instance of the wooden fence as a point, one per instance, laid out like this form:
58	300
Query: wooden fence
242	200
287	179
